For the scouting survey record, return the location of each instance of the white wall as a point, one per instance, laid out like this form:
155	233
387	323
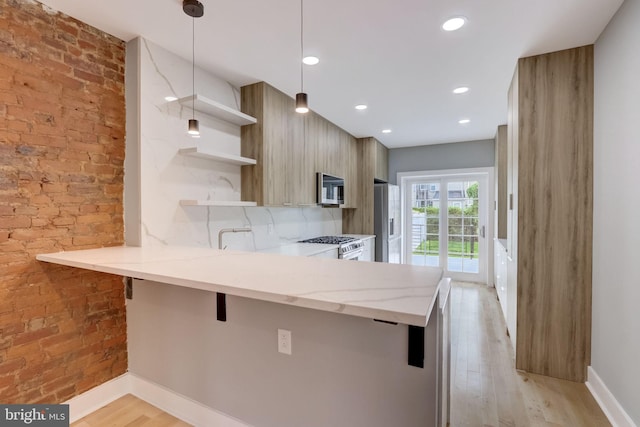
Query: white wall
157	129
616	239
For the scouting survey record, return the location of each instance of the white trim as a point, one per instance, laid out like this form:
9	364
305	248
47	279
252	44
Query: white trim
607	401
487	173
179	406
94	399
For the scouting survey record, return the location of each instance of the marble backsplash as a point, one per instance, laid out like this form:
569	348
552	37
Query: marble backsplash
166	176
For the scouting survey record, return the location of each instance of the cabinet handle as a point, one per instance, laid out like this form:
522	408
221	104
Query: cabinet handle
286	204
511	201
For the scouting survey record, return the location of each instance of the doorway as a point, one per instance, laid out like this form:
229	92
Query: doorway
446	222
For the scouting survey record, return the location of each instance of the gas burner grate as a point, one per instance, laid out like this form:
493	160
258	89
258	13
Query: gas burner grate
330	240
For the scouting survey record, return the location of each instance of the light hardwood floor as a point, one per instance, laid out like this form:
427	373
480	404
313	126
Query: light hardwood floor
487	391
129	411
486	388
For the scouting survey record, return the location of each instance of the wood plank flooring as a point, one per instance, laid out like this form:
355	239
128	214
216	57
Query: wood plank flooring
129	411
486	390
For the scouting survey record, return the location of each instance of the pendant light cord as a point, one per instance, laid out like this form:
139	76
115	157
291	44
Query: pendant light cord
301	46
193	66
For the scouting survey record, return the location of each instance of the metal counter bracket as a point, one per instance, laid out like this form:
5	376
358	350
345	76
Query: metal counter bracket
221	307
416	346
128	287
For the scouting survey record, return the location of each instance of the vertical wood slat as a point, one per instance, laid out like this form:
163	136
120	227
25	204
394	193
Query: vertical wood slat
252	103
554	213
360	220
382	162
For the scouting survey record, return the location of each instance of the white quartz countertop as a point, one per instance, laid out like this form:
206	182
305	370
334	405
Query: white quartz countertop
310	249
391	292
301	249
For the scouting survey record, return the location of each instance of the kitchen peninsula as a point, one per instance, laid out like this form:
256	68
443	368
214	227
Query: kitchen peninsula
351	361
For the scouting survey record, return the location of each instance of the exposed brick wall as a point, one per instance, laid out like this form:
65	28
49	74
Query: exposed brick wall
62	125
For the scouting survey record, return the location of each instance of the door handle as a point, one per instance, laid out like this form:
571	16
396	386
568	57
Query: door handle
482	231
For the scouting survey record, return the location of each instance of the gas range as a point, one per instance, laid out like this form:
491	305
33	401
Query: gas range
349	247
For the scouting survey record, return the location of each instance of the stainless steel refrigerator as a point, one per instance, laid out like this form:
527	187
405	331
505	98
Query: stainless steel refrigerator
387	224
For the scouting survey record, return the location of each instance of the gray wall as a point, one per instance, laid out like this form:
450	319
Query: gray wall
457	155
616	228
343	371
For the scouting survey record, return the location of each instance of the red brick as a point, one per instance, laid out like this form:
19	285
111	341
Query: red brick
60	166
34	84
63	123
26	210
6	210
15	222
69	28
11	366
54	43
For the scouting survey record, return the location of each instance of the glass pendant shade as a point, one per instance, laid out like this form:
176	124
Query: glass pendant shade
194	128
301	103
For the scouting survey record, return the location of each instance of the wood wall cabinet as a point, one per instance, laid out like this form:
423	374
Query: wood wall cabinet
372	159
549	233
290	148
382	162
335	154
501	182
267	182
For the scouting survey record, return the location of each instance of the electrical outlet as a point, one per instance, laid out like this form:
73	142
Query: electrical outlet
284	341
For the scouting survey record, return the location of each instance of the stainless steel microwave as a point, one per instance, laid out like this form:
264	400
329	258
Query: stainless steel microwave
330	190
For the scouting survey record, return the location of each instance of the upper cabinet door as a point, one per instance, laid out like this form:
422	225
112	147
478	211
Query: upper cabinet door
289	149
382	162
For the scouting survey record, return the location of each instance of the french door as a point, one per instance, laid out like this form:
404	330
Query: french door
446	224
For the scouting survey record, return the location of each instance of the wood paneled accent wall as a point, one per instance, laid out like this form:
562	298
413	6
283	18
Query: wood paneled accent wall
554	212
62	118
501	181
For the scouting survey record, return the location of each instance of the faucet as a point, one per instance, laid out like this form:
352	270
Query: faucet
231	230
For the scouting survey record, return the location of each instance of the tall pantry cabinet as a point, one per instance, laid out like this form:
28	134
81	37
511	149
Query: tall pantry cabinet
549	221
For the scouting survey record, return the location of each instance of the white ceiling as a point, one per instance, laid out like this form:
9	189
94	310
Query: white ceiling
389	54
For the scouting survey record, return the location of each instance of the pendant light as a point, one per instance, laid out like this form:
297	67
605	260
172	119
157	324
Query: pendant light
194	9
302	105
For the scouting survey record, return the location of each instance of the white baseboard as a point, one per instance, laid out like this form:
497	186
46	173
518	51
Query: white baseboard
94	399
607	401
179	406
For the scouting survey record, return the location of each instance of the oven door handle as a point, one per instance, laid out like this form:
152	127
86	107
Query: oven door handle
353	255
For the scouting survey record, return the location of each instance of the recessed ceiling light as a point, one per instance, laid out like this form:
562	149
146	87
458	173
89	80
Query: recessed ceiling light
361	107
454	23
461	89
386	130
310	60
170	98
464	121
